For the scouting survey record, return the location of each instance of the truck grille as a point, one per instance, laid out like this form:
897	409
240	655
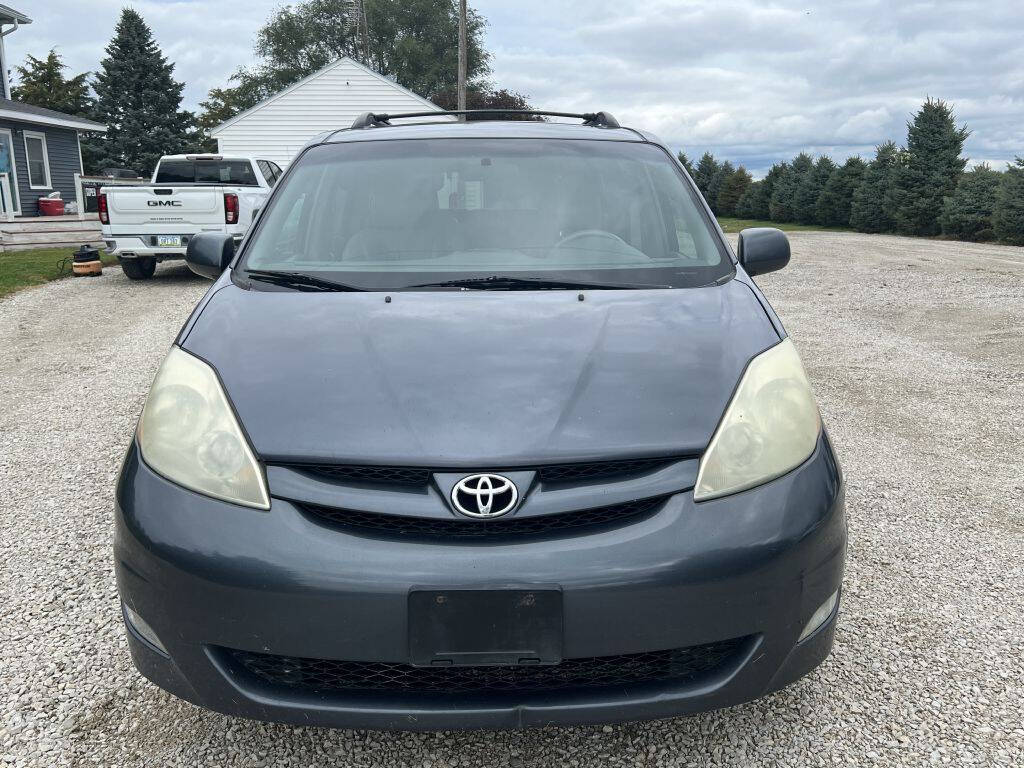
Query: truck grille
456	528
325	675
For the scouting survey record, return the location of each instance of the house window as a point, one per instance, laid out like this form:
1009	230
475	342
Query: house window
38	160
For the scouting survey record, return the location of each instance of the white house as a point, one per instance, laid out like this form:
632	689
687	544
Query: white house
327	100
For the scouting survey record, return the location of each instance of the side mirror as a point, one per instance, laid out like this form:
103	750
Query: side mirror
209	253
763	249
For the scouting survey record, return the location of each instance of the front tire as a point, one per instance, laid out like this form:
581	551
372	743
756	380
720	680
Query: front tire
138	268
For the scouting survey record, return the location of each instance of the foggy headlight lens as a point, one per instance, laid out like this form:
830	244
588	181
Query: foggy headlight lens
770	427
189	434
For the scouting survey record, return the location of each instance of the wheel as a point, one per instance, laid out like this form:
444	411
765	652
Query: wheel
138	268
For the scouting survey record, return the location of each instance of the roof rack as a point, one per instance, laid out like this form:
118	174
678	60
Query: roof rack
378	119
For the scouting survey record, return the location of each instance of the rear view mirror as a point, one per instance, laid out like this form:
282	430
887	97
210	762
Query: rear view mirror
209	253
763	249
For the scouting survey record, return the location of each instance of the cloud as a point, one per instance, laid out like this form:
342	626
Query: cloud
752	81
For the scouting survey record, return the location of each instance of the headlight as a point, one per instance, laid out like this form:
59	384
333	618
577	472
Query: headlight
188	433
770	427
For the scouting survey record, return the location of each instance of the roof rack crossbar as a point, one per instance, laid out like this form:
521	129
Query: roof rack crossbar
375	120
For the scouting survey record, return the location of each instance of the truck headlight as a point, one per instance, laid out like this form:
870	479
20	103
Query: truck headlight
188	433
770	427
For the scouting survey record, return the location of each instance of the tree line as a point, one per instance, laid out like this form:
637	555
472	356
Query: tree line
135	94
920	189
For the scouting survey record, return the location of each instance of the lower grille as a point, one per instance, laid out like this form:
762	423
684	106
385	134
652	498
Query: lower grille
324	675
398	525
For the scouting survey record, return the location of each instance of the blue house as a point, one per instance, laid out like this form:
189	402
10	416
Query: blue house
39	148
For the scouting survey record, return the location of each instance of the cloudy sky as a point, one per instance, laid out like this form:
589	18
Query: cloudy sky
752	81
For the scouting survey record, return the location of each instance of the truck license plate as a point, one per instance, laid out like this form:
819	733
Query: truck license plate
169	241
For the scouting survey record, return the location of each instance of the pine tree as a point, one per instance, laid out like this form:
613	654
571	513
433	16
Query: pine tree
869	211
685	162
805	199
931	169
967	213
733	187
706	170
725	170
1008	216
833	208
42	84
781	207
139	100
764	198
753	204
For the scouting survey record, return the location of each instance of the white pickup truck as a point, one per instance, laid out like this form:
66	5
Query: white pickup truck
189	194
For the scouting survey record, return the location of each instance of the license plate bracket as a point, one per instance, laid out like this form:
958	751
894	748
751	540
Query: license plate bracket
485	627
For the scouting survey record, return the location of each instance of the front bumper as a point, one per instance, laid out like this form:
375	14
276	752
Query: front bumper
207	576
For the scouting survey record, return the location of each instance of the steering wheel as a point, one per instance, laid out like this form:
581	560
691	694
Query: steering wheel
590	233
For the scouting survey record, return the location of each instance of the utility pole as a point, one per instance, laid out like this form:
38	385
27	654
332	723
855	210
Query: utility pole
462	55
364	33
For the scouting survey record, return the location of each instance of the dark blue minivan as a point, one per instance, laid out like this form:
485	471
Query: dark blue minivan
483	424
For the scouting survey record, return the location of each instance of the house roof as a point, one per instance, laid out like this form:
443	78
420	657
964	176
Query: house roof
8	14
16	110
227	123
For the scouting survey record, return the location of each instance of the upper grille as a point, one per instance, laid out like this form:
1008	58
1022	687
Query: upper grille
420	476
448	528
324	675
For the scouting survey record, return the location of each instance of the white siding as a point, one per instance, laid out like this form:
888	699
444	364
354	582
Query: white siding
328	100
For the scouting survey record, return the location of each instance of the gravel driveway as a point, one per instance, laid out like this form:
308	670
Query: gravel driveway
916	351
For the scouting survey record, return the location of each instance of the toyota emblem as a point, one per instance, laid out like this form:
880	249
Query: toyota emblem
485	496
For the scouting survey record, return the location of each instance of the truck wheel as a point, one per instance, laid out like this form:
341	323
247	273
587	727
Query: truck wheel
138	268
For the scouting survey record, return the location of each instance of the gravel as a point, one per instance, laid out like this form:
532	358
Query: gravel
916	351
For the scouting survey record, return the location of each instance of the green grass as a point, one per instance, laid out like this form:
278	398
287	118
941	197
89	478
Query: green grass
23	269
735	225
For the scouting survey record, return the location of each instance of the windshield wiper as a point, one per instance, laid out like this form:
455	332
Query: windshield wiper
298	280
511	283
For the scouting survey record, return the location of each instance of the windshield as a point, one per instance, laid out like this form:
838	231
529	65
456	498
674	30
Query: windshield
386	215
234	172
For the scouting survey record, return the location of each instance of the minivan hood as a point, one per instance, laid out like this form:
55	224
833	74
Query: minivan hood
485	379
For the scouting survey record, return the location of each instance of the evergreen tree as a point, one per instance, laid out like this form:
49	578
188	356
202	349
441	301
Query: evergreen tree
805	199
781	206
869	211
753	204
41	82
707	167
931	169
764	198
833	208
685	162
138	99
725	170
967	213
1008	216
732	189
